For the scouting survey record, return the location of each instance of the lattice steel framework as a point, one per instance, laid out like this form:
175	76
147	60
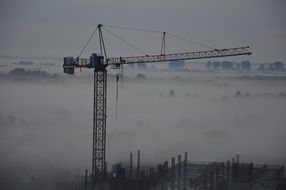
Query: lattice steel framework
99	128
83	62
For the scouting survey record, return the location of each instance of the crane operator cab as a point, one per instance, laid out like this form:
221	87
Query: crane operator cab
96	61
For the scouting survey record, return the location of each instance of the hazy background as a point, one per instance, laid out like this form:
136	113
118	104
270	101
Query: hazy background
60	28
46	120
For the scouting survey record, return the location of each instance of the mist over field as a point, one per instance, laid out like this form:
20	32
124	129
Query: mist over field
46	122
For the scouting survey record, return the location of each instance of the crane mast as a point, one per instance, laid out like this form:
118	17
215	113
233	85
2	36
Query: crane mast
99	63
99	127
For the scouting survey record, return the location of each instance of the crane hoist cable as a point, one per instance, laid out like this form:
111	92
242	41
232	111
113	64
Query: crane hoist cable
116	98
124	41
119	78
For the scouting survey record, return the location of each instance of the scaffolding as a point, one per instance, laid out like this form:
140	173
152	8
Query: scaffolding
182	174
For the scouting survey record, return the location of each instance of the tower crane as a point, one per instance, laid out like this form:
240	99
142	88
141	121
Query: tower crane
99	64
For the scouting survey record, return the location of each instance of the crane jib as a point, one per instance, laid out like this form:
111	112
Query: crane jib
180	56
70	63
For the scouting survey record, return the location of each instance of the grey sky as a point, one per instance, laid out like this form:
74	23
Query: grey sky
60	27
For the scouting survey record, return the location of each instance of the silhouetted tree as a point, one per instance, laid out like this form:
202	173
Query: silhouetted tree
271	67
238	66
245	65
131	65
140	76
208	64
216	64
261	67
176	64
227	65
141	65
278	65
237	94
171	93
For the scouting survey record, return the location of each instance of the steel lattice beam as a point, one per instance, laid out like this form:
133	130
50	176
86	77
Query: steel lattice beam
180	56
99	128
84	62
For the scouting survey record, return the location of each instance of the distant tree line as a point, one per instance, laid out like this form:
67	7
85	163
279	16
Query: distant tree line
177	64
48	64
228	65
24	63
276	66
225	65
244	66
172	65
31	73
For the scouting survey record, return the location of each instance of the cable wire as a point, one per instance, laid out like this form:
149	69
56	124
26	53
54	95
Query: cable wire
157	31
135	29
116	97
190	41
125	41
87	42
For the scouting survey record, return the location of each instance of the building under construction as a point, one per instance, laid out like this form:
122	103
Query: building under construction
183	174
